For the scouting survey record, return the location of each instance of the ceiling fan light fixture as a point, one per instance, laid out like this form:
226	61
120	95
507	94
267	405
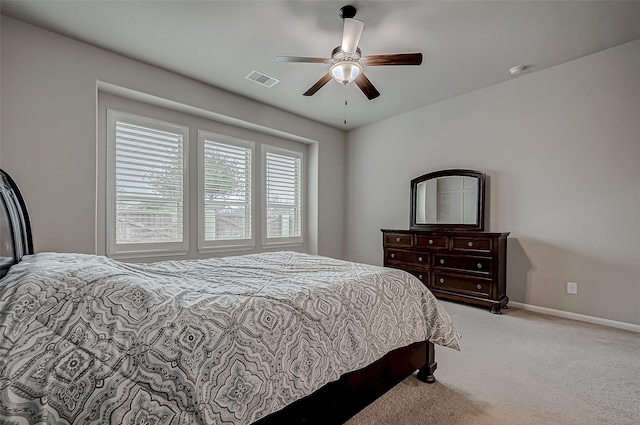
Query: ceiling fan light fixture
346	71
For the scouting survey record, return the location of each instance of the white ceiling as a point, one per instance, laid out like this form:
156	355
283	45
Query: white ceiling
467	45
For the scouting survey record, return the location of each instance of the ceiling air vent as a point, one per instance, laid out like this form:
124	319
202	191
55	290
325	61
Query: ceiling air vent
262	79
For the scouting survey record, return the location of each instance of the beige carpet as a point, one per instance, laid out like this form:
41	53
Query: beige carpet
521	368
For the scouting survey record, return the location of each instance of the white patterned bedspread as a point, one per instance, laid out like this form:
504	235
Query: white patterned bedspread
85	339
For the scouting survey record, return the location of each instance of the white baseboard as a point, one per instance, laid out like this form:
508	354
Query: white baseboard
575	316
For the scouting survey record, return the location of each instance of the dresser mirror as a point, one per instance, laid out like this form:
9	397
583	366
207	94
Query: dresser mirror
448	200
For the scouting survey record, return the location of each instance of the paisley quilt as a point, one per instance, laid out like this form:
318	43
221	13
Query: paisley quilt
86	339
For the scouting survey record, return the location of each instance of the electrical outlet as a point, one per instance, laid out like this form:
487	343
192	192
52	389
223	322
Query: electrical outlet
572	288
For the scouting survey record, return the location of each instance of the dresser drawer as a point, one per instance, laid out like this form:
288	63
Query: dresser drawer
432	242
471	244
422	276
479	265
398	239
409	258
475	286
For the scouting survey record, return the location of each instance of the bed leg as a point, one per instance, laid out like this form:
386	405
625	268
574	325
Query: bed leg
425	373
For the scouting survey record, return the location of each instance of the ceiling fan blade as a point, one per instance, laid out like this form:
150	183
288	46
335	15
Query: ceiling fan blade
396	59
366	87
317	86
301	59
351	34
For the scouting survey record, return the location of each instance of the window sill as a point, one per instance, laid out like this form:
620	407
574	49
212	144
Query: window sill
231	248
145	254
282	245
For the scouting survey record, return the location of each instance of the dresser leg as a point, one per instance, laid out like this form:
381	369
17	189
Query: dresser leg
496	310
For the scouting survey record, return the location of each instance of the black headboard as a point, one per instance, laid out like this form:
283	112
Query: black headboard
15	227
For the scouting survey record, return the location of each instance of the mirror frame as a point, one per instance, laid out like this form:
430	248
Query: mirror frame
479	226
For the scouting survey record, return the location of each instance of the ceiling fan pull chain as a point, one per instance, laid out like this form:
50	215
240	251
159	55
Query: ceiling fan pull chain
345	104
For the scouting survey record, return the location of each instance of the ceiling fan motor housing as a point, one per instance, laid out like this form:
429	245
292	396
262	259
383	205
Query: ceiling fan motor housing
337	54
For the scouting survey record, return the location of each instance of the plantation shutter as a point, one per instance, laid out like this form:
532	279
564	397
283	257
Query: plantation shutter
283	183
226	196
148	185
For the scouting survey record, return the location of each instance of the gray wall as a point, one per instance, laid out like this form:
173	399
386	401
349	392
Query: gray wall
48	134
561	148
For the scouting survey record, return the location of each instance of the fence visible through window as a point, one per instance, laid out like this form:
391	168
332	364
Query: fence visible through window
143	226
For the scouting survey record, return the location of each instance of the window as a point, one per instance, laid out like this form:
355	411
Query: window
174	184
225	192
282	221
146	192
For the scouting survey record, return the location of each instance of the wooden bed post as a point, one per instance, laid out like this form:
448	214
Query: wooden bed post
425	373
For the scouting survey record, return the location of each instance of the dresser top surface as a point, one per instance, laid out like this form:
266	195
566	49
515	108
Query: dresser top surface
446	233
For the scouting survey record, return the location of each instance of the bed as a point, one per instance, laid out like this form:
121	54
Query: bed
271	338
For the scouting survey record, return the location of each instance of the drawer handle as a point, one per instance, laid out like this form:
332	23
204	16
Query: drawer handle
470	244
479	286
397	239
442	280
479	265
442	261
393	255
420	276
419	258
430	241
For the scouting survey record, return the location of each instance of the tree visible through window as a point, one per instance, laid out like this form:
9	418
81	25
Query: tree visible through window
226	193
147	211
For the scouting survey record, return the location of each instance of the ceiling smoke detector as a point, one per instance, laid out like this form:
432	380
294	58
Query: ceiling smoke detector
517	69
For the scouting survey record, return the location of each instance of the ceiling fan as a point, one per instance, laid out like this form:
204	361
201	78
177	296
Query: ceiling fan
347	61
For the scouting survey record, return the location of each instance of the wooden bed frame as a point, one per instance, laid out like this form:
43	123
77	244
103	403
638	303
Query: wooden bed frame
333	403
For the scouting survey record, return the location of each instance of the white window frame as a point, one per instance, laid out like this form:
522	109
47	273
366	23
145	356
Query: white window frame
292	241
205	246
146	249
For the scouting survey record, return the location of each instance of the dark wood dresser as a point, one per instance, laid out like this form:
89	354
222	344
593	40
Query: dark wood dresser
468	266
